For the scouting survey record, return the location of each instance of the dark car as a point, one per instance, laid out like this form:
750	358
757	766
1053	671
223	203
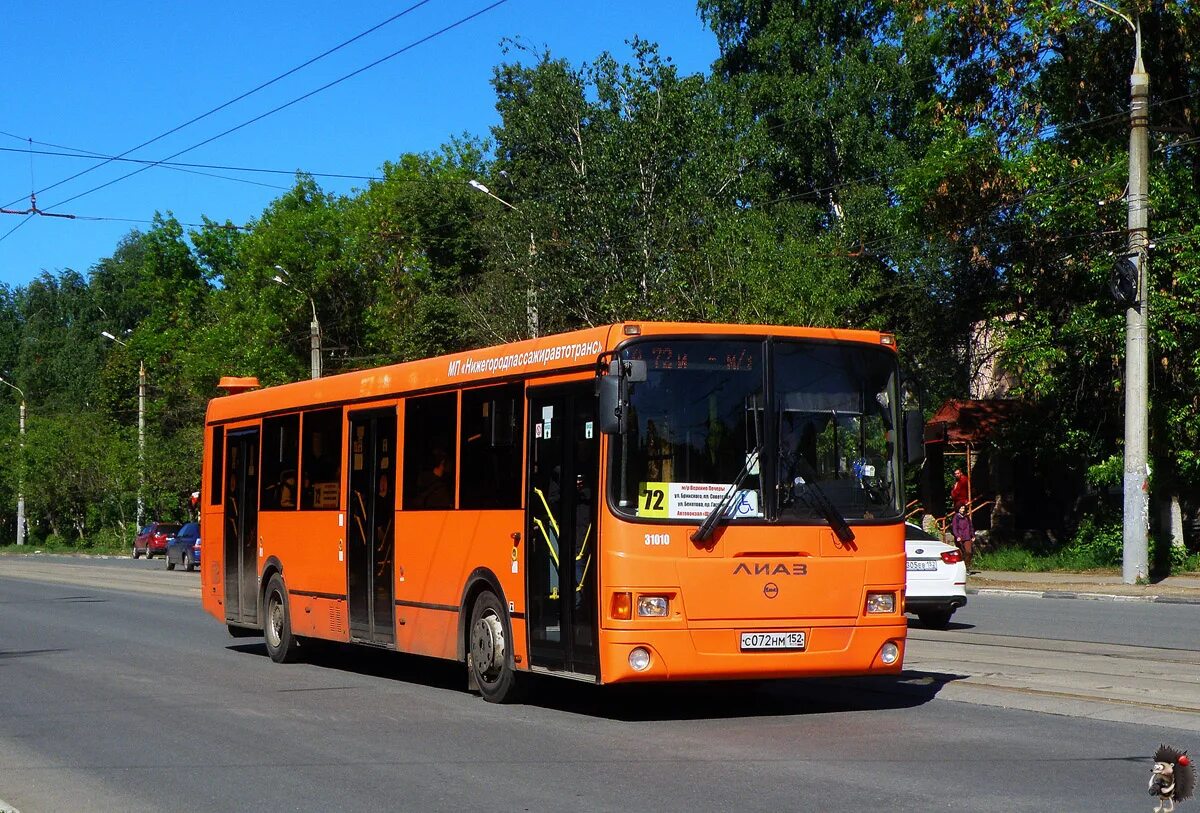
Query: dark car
184	547
152	541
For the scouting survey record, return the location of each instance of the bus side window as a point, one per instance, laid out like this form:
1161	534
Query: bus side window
429	452
216	460
280	447
491	447
321	463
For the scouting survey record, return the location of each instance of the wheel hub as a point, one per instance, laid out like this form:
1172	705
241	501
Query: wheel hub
487	645
275	623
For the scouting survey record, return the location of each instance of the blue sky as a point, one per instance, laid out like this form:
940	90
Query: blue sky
105	77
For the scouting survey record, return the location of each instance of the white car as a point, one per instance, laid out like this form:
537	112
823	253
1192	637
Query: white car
937	578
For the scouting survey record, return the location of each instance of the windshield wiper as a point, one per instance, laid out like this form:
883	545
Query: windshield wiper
816	498
718	511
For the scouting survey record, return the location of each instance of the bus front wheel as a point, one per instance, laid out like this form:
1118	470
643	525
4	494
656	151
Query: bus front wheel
282	645
488	650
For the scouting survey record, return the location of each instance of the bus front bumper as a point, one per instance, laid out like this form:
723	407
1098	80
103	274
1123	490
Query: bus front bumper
717	654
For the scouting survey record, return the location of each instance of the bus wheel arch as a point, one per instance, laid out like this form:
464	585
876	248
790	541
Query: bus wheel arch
481	579
283	645
270	568
486	640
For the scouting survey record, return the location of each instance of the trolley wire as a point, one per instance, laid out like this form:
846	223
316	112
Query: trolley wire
461	21
238	98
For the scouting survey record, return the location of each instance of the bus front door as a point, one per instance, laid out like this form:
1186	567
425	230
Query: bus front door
371	519
560	526
241	527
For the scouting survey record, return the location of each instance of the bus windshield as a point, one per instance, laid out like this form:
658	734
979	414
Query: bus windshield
825	431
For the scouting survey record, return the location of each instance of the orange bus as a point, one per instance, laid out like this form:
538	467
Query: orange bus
634	502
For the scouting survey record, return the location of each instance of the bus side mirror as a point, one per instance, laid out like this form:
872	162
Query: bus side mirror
914	436
613	390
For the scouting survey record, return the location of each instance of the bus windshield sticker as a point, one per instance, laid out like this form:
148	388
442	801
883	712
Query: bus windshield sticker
693	501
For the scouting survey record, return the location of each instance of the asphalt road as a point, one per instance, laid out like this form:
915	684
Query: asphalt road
1130	623
118	693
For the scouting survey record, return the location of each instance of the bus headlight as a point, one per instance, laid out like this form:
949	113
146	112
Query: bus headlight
652	606
889	653
881	603
639	659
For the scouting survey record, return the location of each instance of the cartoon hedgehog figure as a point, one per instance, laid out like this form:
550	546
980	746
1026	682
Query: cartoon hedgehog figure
1172	779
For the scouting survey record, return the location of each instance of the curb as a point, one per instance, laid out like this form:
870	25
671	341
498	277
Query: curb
1062	594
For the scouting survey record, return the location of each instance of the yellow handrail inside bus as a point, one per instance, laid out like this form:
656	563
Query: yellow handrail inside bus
550	542
549	513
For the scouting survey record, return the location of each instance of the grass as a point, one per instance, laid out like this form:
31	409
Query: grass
1069	560
58	545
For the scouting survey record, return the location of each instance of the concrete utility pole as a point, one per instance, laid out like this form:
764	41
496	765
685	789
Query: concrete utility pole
1137	468
141	501
314	333
141	495
21	470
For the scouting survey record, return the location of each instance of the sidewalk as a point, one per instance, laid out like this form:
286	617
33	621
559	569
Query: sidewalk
1173	589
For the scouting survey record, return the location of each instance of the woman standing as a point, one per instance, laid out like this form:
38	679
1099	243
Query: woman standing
964	532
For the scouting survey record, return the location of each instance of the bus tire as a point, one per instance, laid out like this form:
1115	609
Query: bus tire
282	644
489	655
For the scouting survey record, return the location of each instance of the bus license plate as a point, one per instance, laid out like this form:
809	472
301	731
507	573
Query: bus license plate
773	640
922	565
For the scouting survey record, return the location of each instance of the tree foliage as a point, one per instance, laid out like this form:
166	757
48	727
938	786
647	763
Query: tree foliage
916	167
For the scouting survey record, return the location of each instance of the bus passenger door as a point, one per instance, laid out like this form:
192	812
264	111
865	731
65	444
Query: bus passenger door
241	527
560	526
371	517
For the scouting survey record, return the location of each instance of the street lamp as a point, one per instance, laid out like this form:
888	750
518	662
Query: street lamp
531	313
141	502
314	327
20	470
474	184
1136	485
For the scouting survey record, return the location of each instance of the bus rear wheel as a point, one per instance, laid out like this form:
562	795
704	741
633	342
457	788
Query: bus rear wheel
488	651
282	645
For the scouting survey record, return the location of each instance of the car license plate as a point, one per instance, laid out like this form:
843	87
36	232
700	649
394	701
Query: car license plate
773	640
922	565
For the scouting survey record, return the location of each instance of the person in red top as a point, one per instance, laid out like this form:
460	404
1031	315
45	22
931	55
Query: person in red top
960	491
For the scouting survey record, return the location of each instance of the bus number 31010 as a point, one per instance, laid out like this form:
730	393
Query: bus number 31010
658	539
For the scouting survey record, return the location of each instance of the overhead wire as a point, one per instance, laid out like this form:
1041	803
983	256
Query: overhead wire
326	86
193	169
238	98
875	245
77	152
298	99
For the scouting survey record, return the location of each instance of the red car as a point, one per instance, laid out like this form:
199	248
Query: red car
152	540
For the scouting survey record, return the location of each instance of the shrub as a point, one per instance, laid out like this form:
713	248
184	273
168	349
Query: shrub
1099	539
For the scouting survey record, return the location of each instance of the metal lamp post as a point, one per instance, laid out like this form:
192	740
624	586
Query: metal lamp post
141	500
21	469
314	327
